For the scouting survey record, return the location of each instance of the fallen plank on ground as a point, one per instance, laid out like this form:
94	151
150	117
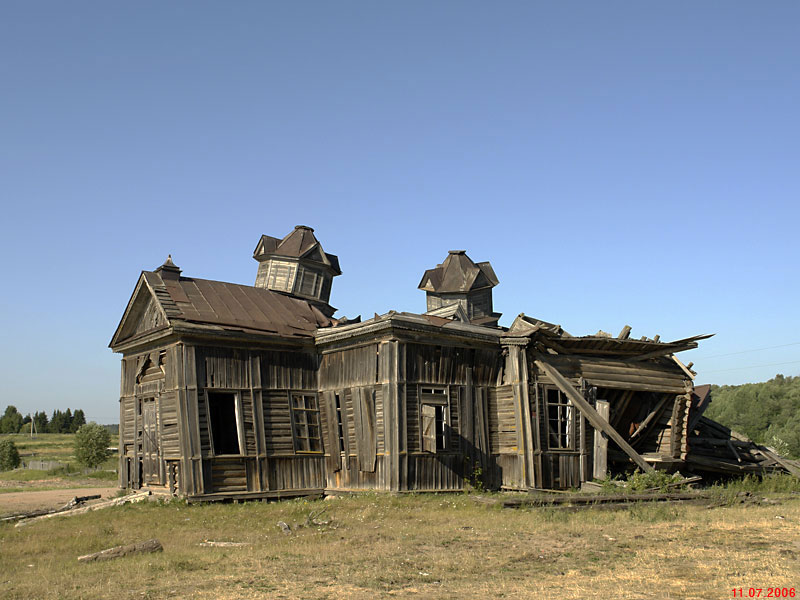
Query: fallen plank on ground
118	551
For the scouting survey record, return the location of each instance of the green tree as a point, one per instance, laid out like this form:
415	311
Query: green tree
91	445
768	412
41	421
56	422
78	421
9	455
11	421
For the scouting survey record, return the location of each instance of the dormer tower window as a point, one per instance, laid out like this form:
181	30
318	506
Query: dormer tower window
297	266
461	288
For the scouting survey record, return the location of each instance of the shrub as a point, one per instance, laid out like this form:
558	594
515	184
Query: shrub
639	481
91	445
9	455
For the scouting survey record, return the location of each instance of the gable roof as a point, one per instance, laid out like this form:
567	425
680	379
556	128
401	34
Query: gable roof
216	306
458	274
300	243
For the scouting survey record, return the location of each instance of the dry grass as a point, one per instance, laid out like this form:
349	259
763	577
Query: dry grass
444	546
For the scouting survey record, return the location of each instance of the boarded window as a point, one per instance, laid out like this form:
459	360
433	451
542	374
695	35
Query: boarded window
281	275
305	423
224	424
434	419
560	420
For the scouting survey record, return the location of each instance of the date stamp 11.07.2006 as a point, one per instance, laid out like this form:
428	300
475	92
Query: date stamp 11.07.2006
767	592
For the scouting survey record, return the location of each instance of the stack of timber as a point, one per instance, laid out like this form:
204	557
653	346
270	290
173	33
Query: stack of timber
716	449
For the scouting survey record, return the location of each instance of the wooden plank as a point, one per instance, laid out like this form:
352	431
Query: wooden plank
364	406
591	414
684	368
526	412
768	452
600	470
333	459
138	548
650	418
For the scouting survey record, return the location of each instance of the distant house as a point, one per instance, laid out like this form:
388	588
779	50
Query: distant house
234	391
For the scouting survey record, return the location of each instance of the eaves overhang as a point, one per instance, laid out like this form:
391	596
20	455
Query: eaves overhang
406	326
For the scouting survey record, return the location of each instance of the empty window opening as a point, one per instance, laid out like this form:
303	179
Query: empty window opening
305	423
340	422
224	423
560	420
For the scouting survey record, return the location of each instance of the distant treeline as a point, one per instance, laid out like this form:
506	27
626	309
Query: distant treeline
768	412
60	422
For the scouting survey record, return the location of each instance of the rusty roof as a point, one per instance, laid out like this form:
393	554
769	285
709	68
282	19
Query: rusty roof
222	306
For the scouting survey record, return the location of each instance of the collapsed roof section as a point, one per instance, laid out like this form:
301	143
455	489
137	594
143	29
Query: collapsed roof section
552	339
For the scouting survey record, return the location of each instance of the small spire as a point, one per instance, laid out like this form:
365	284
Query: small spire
169	269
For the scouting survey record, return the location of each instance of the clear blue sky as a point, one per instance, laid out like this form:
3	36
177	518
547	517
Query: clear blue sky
617	162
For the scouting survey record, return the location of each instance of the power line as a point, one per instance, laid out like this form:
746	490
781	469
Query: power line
791	362
745	351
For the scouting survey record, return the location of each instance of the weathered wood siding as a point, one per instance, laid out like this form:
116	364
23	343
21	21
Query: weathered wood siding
262	383
468	376
358	377
645	376
443	365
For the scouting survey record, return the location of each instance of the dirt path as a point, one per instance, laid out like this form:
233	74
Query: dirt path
17	502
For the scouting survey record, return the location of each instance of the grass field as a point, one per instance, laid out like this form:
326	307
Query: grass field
428	546
56	447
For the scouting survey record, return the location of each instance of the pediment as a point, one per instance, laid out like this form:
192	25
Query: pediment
317	255
426	285
143	314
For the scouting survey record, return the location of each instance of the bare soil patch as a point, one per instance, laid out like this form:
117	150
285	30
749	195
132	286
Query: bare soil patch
18	502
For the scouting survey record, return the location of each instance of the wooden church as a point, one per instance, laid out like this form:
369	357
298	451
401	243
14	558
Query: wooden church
234	391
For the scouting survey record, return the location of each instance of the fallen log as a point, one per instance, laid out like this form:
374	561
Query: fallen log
76	501
84	509
118	551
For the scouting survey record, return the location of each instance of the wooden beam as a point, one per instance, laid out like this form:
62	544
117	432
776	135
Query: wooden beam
770	453
656	412
601	444
684	368
591	414
667	349
733	450
625	333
